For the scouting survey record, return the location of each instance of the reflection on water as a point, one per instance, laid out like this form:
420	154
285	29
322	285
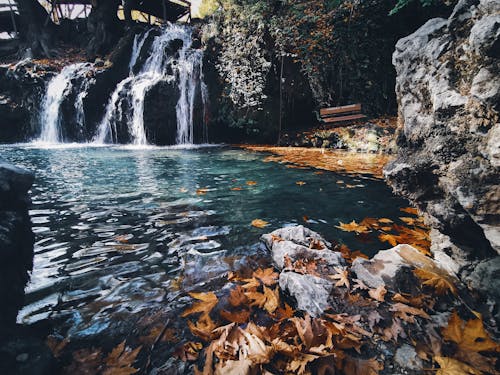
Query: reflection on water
121	230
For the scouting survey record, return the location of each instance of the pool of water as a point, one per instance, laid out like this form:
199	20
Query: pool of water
127	230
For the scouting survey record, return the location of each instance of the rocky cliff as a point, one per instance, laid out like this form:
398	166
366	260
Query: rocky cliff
448	91
16	241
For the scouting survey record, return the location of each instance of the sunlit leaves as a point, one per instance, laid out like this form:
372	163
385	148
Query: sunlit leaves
440	282
206	304
353	227
450	366
267	276
258	223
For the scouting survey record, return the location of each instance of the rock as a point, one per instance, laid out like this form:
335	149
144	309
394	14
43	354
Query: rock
448	161
389	268
16	241
485	277
294	242
407	358
310	292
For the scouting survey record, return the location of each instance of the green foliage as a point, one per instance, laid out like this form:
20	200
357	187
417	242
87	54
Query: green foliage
207	8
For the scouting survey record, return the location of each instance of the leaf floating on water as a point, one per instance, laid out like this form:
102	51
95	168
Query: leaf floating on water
183	190
201	191
353	227
237	188
385	220
251	183
300	183
258	223
207	303
410	210
120	360
450	366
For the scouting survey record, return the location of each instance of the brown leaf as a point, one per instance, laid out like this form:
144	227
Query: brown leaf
56	346
450	366
353	227
438	281
300	183
188	351
406	312
201	191
206	304
120	360
470	335
356	366
203	328
409	210
342	276
258	223
237	297
239	317
267	276
378	294
251	183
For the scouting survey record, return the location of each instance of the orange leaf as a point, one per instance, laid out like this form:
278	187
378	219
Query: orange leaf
258	223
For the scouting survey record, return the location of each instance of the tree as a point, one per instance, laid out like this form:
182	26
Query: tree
37	29
103	26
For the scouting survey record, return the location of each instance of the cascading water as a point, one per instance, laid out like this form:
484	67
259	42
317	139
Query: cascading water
58	89
127	101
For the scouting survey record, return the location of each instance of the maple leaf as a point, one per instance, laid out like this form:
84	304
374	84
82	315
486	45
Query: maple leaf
251	183
267	276
239	317
250	284
203	328
342	276
299	363
300	183
450	366
269	300
237	188
406	312
378	294
356	366
409	210
394	331
237	297
469	336
56	346
385	221
258	223
120	360
439	281
206	304
285	312
353	227
386	237
316	244
188	351
232	367
201	191
276	238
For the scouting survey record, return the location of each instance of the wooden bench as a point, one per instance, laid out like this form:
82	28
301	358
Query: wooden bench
345	113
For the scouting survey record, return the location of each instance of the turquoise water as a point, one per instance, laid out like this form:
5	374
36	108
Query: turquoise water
122	229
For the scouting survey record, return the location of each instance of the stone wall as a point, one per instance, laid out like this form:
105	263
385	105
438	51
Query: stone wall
448	91
16	241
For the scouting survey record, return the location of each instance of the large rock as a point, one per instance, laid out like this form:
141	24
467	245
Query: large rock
16	241
448	90
298	243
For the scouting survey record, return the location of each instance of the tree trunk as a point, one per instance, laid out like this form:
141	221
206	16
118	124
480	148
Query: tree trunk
104	26
37	30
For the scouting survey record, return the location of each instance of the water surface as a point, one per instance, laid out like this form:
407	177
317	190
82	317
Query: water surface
125	229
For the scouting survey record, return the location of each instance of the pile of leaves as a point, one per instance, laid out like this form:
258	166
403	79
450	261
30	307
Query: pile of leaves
253	328
334	161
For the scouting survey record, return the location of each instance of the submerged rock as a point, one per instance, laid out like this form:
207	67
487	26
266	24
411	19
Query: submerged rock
449	148
16	241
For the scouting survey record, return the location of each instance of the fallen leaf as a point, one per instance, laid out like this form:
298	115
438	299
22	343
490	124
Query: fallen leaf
409	210
267	276
251	183
470	335
237	188
120	360
300	183
188	351
342	276
357	366
258	223
353	227
240	316
438	281
206	304
378	294
201	191
403	310
237	297
450	366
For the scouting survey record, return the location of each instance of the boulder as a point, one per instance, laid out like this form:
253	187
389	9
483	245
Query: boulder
448	91
16	241
310	292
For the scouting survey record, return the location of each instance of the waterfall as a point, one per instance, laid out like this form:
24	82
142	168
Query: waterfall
57	90
160	66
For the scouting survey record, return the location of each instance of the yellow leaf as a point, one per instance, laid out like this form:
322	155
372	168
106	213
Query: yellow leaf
439	282
342	276
267	276
300	183
353	227
450	366
378	294
258	223
206	304
251	183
